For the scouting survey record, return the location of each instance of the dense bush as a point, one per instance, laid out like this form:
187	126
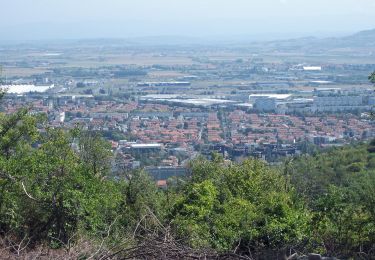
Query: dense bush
339	188
246	206
48	190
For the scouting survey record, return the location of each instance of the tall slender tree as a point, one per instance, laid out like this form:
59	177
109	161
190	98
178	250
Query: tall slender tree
371	147
372	77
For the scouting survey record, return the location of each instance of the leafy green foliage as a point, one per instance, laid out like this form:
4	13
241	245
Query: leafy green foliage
312	175
339	186
95	153
248	205
141	199
47	192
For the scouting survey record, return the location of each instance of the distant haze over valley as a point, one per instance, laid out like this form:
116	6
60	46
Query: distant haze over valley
210	19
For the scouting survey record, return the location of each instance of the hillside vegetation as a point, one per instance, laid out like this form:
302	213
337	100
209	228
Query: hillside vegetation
56	201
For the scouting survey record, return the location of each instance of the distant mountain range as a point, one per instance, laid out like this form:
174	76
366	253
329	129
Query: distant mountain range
363	39
360	40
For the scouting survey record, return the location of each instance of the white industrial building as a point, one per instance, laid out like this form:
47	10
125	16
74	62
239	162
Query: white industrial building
297	105
265	104
268	102
327	91
25	88
312	68
339	103
328	100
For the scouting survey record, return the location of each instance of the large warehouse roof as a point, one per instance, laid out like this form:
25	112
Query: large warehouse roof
277	96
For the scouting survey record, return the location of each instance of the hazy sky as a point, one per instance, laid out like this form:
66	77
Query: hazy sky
72	19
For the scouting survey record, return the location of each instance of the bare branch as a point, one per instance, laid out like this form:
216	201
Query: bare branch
102	243
27	194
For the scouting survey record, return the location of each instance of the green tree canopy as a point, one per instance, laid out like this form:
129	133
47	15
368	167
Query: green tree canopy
245	205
